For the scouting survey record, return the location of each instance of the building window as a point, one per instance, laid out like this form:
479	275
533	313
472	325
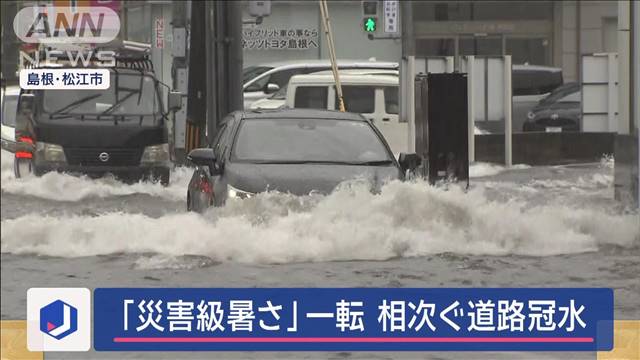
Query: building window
435	47
533	51
482	10
483	46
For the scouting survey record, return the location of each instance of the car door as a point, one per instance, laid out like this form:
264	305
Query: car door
221	150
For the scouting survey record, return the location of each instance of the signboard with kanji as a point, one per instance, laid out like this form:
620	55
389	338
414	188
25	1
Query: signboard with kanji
285	38
391	10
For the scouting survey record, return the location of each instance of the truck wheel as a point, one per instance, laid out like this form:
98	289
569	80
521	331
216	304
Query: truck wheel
22	167
165	176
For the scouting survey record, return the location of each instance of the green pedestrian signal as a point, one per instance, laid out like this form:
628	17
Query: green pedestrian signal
370	24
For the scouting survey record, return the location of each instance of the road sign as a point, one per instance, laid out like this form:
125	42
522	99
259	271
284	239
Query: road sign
370	24
391	15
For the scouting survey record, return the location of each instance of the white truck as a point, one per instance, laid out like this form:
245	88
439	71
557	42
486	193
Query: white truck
372	93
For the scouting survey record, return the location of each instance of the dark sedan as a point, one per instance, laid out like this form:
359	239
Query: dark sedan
558	112
295	151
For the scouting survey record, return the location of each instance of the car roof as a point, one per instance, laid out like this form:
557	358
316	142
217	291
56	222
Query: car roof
522	67
360	71
303	63
301	114
364	79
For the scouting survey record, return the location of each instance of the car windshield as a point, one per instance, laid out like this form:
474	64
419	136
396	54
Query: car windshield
309	141
532	82
9	109
249	73
129	94
560	92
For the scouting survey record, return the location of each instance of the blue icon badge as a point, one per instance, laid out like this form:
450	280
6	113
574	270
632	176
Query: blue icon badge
58	319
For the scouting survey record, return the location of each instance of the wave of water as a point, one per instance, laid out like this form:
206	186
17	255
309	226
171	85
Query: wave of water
405	220
64	187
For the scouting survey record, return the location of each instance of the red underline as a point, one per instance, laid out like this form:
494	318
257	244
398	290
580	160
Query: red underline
353	339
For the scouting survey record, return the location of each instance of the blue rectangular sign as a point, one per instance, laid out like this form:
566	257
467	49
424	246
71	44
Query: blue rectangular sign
353	319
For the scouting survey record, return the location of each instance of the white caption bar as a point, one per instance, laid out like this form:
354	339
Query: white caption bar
65	79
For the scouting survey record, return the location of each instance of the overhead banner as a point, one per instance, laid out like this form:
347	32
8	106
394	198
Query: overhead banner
352	319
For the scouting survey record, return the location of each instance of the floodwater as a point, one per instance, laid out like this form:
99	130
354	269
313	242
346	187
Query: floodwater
524	226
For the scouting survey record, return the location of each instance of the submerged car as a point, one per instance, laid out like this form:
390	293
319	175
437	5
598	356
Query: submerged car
558	112
297	151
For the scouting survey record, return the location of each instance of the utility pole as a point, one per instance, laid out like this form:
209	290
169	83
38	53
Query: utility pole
215	68
324	11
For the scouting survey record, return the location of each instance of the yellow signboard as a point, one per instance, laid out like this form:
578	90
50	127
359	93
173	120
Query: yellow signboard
626	341
14	341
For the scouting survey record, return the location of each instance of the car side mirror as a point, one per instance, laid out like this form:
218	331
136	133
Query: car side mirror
27	103
174	101
271	88
205	157
409	161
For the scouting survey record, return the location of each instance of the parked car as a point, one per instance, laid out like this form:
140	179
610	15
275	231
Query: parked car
374	95
559	111
277	100
297	151
273	101
9	109
260	81
530	84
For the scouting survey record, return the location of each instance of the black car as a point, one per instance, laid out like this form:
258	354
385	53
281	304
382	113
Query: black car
558	112
295	151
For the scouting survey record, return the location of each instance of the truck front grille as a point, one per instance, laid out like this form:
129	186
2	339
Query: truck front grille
96	157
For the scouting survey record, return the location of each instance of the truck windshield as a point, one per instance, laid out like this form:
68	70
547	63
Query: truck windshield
129	94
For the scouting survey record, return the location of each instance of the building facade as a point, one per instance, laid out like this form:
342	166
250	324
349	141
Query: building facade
551	33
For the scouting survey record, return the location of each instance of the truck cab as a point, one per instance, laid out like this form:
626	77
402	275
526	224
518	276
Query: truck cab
121	130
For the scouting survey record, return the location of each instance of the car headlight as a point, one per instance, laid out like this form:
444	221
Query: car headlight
155	154
238	194
530	115
50	152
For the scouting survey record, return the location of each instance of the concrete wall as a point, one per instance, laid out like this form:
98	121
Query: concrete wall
346	19
546	148
586	27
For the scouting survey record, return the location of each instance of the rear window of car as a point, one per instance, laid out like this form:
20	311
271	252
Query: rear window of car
358	99
535	82
311	97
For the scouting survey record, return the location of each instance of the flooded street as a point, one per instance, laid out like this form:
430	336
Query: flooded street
522	227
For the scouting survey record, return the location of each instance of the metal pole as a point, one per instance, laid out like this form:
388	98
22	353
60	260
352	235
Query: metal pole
411	65
508	161
471	107
611	92
324	10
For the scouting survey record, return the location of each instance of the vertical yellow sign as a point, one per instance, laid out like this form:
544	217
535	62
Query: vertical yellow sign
626	341
14	341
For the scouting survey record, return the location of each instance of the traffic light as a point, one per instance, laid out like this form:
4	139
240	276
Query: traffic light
370	24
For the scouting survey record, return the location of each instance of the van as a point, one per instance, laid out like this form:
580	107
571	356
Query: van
530	84
261	81
374	95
